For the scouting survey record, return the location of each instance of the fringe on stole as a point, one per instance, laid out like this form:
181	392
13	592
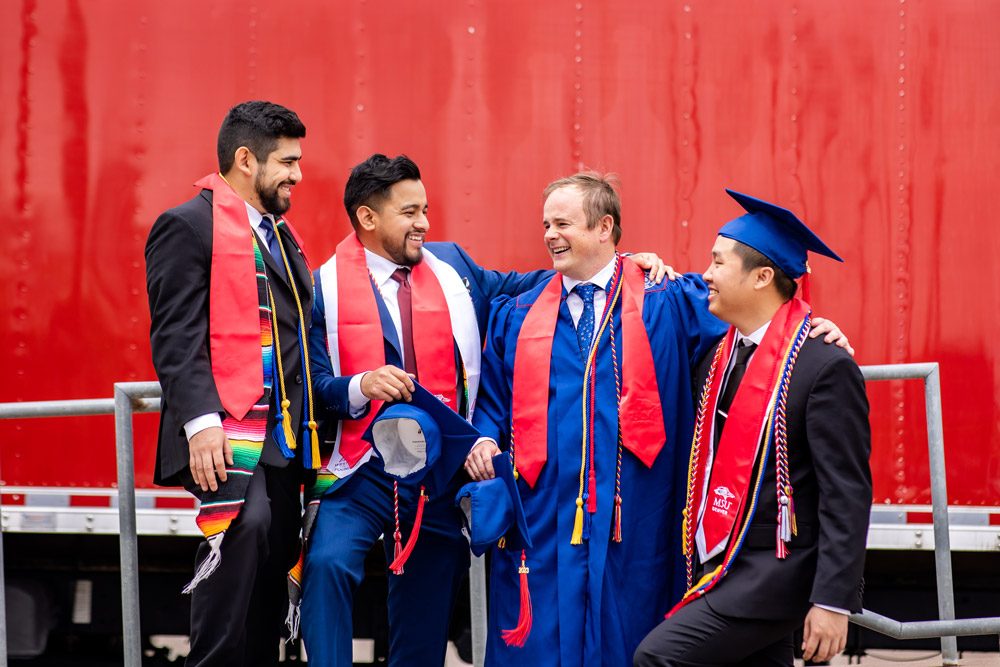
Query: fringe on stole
209	565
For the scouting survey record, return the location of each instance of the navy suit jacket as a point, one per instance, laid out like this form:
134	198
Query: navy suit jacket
483	285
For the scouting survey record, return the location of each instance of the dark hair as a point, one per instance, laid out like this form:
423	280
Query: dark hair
370	182
752	259
257	125
600	198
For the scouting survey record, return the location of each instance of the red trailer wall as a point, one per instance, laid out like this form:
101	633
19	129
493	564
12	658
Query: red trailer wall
879	122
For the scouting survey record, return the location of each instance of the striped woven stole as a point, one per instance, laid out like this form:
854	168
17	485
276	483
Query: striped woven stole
246	437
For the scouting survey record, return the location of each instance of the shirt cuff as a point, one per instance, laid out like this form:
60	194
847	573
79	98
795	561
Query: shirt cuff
836	610
357	401
482	439
199	424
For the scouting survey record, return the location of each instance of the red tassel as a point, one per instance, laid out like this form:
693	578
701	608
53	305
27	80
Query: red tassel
616	520
401	555
592	491
517	636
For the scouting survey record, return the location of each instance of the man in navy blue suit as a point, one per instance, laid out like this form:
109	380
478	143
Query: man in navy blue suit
389	308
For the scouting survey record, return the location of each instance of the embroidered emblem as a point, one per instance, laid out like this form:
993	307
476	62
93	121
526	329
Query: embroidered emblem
722	503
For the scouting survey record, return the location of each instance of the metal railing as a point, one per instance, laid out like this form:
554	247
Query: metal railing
117	406
947	628
133	397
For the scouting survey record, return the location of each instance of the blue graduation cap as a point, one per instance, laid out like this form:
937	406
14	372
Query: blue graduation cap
776	233
421	441
493	509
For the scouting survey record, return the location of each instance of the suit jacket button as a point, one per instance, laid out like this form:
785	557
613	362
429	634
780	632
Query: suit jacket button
298	378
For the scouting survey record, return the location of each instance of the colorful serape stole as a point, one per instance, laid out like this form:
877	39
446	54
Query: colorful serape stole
246	437
767	380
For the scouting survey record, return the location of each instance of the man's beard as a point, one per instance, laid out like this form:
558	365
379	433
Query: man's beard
270	199
399	255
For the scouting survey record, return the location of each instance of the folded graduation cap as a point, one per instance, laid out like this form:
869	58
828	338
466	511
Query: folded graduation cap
493	509
776	233
421	441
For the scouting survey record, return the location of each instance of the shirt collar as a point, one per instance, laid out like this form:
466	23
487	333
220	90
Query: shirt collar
601	278
380	267
255	217
756	337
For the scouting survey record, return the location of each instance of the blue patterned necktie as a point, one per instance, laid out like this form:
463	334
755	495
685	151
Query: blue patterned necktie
585	327
267	225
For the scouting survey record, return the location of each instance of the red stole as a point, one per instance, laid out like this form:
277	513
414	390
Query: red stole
359	336
640	413
233	308
728	486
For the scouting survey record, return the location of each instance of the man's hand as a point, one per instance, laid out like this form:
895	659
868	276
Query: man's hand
479	462
387	383
833	333
650	261
824	634
210	452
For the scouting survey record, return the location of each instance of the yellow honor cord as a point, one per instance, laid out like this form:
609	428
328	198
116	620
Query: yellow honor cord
313	431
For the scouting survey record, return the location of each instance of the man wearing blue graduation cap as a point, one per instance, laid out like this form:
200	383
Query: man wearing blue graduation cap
587	383
779	484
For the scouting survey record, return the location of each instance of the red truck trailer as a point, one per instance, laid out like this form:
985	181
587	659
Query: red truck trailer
877	122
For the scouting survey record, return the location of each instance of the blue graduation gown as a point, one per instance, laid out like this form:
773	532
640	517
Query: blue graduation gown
593	603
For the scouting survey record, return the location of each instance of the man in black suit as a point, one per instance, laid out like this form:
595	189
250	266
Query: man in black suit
213	316
779	489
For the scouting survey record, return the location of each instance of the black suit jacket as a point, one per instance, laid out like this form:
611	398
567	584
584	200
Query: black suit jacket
829	442
178	271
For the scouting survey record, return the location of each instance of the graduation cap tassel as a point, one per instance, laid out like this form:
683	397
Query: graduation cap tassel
397	536
577	537
518	635
404	554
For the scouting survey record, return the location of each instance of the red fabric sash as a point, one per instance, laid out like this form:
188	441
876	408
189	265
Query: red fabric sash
641	416
233	308
359	335
729	482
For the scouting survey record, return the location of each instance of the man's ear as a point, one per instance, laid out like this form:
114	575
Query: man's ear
606	225
245	161
764	276
367	218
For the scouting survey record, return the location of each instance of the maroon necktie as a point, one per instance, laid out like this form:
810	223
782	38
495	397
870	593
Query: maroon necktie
404	298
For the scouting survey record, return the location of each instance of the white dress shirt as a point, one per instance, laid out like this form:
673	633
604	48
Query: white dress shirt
575	302
381	270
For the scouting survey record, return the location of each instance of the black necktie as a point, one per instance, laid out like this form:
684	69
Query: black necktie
267	225
743	353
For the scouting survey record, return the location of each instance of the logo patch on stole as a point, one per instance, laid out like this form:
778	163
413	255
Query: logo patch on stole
723	501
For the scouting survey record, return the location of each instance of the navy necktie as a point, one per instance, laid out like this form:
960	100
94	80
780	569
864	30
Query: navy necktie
743	354
585	327
267	226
